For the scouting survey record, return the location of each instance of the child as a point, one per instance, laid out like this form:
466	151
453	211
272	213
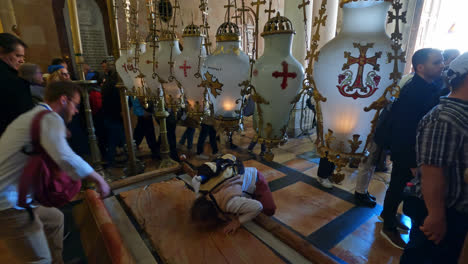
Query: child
228	192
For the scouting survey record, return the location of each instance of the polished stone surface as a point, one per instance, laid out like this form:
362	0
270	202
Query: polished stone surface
306	208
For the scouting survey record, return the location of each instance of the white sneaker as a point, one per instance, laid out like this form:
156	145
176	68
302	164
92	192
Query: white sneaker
203	156
325	182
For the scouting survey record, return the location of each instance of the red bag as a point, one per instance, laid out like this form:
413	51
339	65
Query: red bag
50	185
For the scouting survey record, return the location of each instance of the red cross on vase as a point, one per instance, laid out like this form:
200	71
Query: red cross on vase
285	74
185	67
344	80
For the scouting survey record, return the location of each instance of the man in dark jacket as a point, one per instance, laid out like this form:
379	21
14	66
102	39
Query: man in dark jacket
15	90
417	98
111	113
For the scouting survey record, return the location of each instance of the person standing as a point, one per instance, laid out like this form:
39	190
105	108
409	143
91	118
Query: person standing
33	74
417	97
15	90
111	112
40	240
441	216
144	128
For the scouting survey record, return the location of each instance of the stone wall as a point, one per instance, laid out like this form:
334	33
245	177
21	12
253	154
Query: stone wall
38	30
92	33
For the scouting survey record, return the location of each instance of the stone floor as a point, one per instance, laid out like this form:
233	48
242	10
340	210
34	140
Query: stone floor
329	219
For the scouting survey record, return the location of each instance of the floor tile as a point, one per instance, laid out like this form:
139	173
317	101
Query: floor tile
282	156
270	174
306	208
312	172
366	245
300	164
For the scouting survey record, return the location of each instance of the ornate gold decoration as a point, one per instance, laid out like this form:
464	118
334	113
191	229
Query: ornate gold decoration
257	4
222	50
397	6
278	25
313	53
228	31
214	86
167	35
270	11
192	30
303	6
355	143
396	57
329	138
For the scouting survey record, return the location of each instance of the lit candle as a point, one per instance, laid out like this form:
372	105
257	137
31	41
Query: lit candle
346	122
228	105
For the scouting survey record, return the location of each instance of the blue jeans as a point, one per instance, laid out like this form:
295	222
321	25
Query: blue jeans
188	136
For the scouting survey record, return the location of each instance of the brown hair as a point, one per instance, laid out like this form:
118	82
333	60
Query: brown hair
56	76
55	90
205	214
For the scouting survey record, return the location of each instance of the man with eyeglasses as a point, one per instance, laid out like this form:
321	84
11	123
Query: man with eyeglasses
40	240
14	89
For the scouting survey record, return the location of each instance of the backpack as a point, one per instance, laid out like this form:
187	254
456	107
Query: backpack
50	185
383	130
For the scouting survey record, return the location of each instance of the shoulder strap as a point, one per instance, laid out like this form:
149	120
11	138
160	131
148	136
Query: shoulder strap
36	129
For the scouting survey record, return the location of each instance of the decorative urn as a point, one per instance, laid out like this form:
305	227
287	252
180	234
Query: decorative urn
277	78
354	74
168	51
148	65
186	71
223	73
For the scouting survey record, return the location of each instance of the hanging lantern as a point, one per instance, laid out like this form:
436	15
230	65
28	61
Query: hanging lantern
186	72
277	79
355	74
168	50
127	68
223	72
149	64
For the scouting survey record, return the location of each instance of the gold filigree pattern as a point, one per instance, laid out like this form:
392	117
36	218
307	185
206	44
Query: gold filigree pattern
355	143
214	86
329	138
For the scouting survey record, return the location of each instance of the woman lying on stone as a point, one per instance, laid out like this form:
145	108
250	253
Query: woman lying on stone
228	192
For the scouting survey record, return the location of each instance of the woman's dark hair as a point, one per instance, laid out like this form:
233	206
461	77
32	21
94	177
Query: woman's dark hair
456	79
204	213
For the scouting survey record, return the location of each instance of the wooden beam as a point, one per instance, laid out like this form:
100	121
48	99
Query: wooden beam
303	247
144	176
100	237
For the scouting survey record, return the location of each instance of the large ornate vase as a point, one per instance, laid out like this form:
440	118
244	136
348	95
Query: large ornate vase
352	72
186	67
277	79
224	71
148	65
129	69
168	46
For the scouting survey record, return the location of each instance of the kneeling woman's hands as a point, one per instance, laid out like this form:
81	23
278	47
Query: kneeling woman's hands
232	226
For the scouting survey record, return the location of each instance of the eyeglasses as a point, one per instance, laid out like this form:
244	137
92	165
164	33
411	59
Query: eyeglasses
75	104
65	73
